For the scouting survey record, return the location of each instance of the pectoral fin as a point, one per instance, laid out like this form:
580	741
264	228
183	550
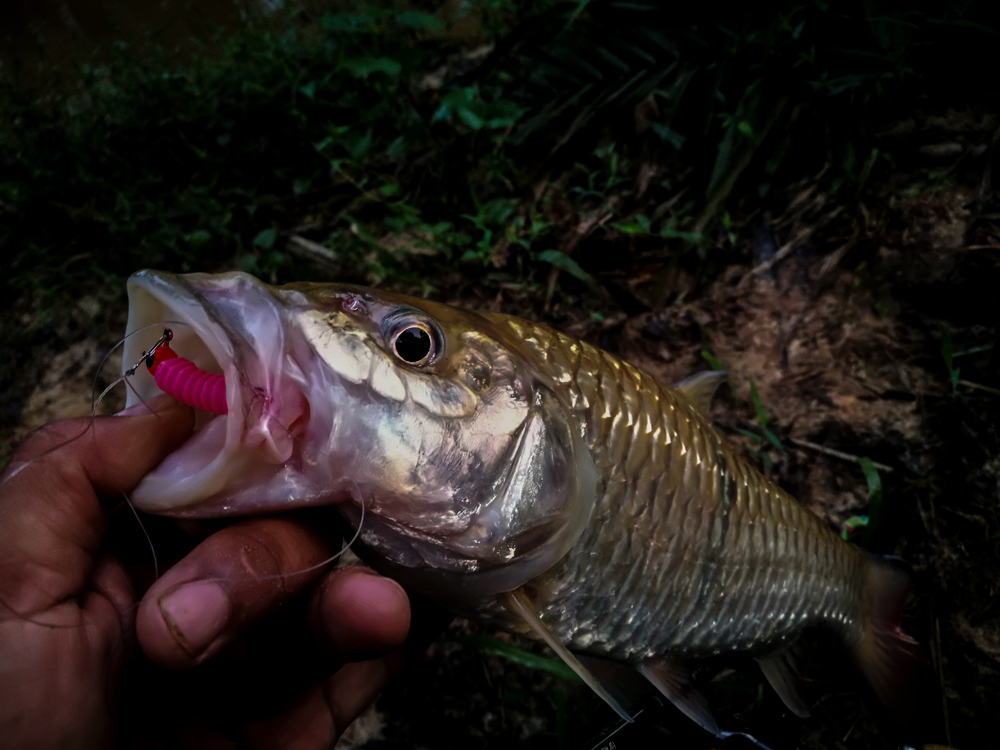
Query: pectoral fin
674	681
518	602
621	680
779	669
700	388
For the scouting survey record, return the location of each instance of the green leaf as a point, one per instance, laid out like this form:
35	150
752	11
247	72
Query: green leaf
667	135
692	238
874	482
629	227
565	263
872	478
309	89
360	148
498	210
515	654
362	67
710	358
946	349
397	149
417	20
949	360
851	525
758	406
465	105
773	440
761	456
751	435
345	22
470	118
265	240
638	225
198	238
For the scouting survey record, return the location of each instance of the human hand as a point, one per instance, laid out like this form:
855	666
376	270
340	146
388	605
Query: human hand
258	656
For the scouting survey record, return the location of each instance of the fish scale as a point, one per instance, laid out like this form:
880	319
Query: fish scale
705	555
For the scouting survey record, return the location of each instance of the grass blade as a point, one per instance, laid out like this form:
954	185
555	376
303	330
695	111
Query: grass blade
515	654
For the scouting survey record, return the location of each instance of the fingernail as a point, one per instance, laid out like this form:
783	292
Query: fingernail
195	614
373	592
154	405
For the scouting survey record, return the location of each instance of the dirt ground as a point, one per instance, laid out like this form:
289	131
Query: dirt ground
835	311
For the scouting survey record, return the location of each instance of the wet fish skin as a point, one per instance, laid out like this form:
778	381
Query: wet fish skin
518	476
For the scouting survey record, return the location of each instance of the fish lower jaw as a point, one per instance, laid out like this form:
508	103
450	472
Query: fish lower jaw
213	472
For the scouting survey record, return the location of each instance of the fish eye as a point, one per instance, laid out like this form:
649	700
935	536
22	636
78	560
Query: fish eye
413	344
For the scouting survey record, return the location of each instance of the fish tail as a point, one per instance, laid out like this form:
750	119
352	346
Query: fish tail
892	661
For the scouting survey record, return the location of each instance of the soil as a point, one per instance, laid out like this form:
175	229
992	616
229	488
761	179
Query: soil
840	331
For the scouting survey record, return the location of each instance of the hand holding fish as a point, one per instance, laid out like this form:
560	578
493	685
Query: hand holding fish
69	674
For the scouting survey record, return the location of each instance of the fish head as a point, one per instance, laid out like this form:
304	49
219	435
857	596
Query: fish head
428	426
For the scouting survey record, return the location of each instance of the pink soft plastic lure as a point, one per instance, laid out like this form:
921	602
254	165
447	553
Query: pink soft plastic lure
182	379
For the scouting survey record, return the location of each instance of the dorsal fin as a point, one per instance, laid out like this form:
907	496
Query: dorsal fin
700	388
673	680
780	670
518	602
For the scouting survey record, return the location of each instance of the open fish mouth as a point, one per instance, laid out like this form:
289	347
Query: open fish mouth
251	457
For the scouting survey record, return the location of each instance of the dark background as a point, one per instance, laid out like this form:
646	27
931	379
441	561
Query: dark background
803	194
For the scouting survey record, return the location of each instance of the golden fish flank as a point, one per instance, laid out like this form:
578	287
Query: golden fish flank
520	477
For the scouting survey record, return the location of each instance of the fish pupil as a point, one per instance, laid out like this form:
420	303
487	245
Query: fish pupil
413	344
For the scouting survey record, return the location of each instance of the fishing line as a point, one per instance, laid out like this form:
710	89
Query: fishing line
275	576
217	579
152	549
95	401
744	735
185	393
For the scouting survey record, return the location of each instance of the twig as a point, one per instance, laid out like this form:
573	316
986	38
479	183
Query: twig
584	229
940	676
725	186
783	252
835	453
978	387
853	724
973	350
313	252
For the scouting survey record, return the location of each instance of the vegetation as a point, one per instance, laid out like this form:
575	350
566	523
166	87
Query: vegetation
402	150
560	171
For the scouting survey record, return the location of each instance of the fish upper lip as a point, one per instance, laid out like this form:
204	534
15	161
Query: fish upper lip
188	311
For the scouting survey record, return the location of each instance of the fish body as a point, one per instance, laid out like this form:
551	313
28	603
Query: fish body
518	476
689	549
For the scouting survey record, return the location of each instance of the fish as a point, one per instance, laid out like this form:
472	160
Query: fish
521	478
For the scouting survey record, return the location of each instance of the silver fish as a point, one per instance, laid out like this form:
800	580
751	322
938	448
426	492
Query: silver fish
518	476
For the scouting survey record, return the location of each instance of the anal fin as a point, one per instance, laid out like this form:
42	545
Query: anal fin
674	681
621	680
779	669
518	602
